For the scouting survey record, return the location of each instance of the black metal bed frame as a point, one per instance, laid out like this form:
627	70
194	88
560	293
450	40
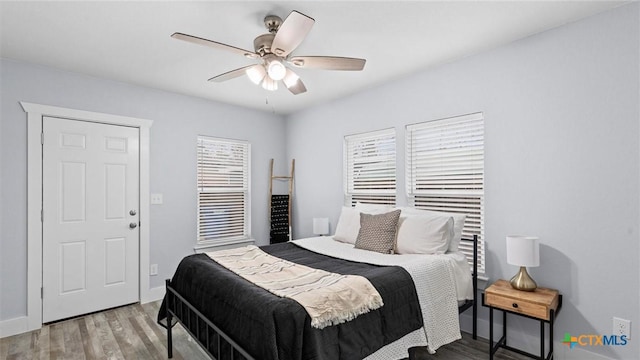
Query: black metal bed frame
215	342
473	303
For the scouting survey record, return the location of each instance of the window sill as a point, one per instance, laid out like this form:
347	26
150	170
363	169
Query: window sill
483	282
220	245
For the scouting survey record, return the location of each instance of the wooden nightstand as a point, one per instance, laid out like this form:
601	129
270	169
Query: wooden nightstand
542	305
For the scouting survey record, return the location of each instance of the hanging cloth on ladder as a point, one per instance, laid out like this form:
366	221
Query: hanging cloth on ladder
279	218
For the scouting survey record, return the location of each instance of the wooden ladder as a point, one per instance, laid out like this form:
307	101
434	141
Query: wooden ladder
278	232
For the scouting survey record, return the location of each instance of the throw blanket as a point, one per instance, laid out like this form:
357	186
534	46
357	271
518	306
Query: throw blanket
328	298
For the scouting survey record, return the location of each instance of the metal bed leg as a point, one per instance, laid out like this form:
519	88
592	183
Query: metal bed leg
169	338
475	320
169	320
475	287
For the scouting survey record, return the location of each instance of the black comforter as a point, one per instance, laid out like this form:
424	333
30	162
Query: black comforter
274	328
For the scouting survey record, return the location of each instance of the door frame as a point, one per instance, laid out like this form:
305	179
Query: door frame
35	116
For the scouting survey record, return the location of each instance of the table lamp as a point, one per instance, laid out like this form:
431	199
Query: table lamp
320	226
523	251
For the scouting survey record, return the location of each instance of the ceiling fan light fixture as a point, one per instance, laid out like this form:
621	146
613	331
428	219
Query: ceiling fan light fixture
291	79
269	84
273	51
256	74
276	70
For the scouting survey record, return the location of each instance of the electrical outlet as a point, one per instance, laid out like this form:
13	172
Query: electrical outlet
153	269
622	327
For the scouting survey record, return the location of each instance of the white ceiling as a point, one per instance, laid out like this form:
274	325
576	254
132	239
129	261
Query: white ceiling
130	41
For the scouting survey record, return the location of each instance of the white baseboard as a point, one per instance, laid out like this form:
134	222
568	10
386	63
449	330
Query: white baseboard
14	326
154	294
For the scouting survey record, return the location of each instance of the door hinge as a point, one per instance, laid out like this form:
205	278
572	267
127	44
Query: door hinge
41	293
42	138
41	215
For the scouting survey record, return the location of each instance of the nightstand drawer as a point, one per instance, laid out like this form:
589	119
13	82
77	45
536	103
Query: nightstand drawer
537	304
517	305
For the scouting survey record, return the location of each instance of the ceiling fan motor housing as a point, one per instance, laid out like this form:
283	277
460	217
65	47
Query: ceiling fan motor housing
262	44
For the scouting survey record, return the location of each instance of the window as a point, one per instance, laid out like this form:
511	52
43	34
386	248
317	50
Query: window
370	168
223	190
445	172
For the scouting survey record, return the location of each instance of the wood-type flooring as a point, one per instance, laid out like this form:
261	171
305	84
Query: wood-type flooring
131	332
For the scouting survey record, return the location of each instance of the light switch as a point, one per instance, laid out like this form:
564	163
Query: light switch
156	199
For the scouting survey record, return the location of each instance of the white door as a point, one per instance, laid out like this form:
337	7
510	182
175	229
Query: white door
90	204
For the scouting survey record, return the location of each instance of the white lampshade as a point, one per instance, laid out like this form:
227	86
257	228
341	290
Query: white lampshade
320	226
269	84
276	70
523	250
256	74
290	79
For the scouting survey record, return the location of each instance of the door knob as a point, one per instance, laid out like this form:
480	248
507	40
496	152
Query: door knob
133	225
132	212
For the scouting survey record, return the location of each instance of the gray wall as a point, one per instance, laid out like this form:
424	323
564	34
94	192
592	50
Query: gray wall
177	121
561	159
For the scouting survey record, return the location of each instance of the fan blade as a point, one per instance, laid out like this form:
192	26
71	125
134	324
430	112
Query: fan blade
293	83
291	33
231	74
214	44
328	62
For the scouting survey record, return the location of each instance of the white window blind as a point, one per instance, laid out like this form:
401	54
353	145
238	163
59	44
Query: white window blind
445	172
223	190
370	167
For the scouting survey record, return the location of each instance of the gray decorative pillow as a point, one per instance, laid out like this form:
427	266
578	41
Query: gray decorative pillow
378	232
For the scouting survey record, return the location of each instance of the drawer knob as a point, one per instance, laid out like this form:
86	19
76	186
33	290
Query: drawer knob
515	305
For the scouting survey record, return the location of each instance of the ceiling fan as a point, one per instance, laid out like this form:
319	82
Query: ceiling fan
274	50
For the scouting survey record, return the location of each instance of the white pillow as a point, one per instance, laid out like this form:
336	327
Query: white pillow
373	209
349	221
424	234
458	223
348	225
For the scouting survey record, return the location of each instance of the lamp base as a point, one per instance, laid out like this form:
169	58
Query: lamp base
522	281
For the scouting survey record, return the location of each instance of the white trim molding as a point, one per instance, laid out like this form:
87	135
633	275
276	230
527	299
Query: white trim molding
35	116
13	326
155	294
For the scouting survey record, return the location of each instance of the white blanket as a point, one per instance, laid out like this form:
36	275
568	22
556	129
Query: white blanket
434	277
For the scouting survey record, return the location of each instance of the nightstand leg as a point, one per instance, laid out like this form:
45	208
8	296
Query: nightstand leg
504	327
490	333
551	319
541	340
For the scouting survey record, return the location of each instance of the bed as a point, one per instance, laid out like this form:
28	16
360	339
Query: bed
231	318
